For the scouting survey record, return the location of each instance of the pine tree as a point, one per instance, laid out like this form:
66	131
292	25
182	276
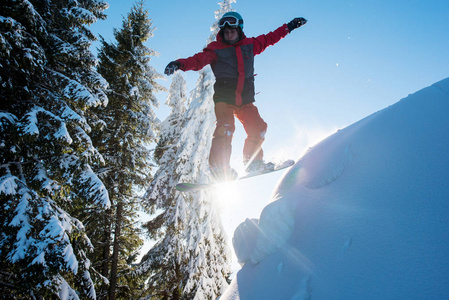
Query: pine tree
191	258
48	89
171	128
129	129
166	259
207	250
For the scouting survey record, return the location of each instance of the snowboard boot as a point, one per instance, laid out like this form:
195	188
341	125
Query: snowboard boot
220	174
259	167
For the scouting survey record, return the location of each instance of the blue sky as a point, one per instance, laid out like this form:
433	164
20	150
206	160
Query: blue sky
353	58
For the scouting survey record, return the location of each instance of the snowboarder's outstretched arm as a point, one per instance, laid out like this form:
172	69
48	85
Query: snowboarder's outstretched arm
195	62
263	41
208	55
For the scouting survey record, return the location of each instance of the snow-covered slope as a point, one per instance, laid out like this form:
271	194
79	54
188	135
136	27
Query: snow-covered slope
363	215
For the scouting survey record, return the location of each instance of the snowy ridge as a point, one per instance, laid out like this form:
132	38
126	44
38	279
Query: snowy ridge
362	215
255	239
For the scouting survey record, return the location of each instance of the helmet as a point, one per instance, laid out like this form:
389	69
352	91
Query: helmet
231	18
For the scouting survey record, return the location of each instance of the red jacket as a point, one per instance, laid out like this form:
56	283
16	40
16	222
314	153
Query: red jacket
233	65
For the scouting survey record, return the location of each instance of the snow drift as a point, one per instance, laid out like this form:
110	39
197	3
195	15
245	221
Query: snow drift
363	215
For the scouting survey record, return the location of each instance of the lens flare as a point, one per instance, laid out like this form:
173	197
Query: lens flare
226	194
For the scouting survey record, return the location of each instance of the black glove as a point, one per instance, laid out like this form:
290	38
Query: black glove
296	23
172	67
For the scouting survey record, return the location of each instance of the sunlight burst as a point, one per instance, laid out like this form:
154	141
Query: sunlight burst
227	194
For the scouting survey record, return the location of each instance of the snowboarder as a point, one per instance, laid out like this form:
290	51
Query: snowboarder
231	57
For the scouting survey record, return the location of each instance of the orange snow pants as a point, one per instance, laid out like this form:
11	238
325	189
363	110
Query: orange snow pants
254	125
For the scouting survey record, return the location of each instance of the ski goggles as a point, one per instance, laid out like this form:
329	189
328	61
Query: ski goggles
230	21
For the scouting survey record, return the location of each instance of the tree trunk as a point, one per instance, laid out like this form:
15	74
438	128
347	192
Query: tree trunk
115	253
106	252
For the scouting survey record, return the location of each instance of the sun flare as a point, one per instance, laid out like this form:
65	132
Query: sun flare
227	193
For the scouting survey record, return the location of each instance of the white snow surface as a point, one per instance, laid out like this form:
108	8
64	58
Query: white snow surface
362	215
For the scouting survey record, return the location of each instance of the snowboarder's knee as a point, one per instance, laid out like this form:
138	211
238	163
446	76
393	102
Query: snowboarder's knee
224	131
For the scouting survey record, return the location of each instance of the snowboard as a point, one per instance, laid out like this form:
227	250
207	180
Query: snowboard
192	187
